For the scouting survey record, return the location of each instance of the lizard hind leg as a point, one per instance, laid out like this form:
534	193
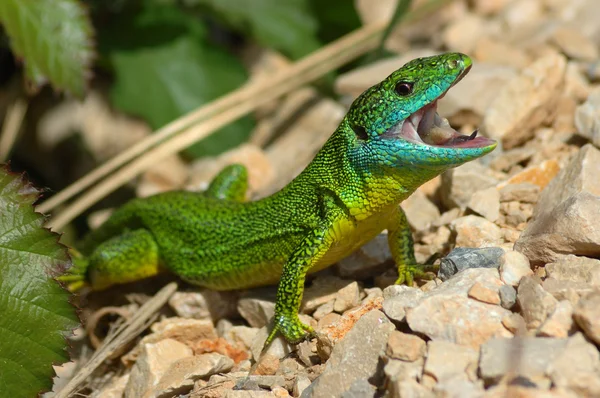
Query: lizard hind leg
128	257
230	184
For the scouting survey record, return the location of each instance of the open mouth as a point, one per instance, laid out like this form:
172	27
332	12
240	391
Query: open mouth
426	127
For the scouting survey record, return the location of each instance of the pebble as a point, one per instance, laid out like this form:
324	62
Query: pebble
459	184
446	360
406	347
204	304
256	311
462	258
397	298
369	260
587	118
536	304
508	296
513	267
587	315
486	203
347	297
476	232
559	323
575	269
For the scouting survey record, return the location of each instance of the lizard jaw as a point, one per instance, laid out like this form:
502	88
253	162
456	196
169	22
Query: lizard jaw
427	127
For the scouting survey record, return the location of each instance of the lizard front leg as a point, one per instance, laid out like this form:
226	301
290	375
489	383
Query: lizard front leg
291	286
401	244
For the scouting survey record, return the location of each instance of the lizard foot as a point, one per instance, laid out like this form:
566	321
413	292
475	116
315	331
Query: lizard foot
408	273
291	328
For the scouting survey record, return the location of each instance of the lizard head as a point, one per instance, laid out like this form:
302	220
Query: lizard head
396	120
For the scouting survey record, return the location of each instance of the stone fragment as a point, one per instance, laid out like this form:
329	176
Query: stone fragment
567	290
564	218
539	174
323	310
398	372
559	323
399	297
473	231
462	34
574	44
587	118
446	360
404	346
499	54
575	269
508	296
301	383
513	267
536	304
459	387
459	184
321	291
241	335
257	312
528	357
359	389
363	345
587	315
371	259
154	360
514	323
179	378
484	294
446	313
462	258
347	297
526	101
420	211
202	304
409	388
524	192
577	368
486	203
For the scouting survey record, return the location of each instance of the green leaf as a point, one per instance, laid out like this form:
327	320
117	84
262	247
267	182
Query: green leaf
54	39
35	313
335	20
164	67
288	26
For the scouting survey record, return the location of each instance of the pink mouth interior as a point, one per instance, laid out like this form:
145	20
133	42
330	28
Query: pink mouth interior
426	127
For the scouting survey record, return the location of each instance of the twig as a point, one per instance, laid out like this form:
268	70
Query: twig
11	127
122	335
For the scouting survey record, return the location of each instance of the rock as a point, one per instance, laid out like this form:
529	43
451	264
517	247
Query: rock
301	383
399	297
323	310
203	304
473	231
486	203
445	313
526	101
179	378
513	267
257	312
409	388
508	296
577	368
540	175
398	372
241	335
587	118
420	211
567	290
484	294
525	192
499	54
587	315
260	381
459	387
536	304
278	349
462	34
186	331
363	345
369	260
515	214
154	360
328	336
563	219
359	389
559	323
404	346
462	258
322	290
575	269
515	324
459	184
574	44
347	297
446	360
114	389
529	357
249	394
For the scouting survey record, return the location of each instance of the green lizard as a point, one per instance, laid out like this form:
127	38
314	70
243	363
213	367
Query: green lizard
390	142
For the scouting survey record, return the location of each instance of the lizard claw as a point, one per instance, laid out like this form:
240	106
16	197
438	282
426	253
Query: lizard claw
292	330
408	273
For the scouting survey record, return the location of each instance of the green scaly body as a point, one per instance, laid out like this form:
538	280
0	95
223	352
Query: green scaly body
348	194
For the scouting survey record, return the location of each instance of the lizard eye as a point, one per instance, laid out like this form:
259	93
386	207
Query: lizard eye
360	132
404	88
